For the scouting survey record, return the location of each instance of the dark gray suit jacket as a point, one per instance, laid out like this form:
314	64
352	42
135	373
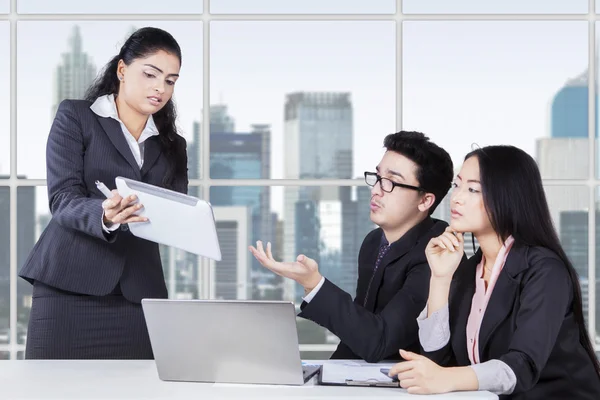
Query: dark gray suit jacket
74	253
529	324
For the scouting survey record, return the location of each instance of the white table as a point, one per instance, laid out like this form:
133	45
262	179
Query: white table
99	379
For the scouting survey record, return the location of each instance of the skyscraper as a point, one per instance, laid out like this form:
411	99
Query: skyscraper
237	155
232	273
569	110
220	120
75	74
564	155
244	156
356	224
574	238
317	144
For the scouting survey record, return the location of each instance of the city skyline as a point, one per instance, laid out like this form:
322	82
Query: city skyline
415	92
324	221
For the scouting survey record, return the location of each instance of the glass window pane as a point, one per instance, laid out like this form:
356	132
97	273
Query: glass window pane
77	52
108	7
302	7
327	224
320	97
5	100
569	206
597	267
4	265
500	83
4	6
495	7
33	216
182	269
4	355
585	92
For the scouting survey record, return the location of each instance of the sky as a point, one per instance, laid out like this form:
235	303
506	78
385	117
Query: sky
463	81
38	55
487	82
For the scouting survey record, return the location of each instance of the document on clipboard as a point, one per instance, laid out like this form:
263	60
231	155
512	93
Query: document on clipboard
354	374
174	219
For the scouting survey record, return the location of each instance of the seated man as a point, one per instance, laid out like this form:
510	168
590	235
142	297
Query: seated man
411	180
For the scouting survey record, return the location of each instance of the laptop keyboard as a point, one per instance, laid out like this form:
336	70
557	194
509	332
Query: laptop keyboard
309	370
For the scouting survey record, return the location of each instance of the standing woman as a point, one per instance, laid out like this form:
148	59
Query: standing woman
88	272
509	319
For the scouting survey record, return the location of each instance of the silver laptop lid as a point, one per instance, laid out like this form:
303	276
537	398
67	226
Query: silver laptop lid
229	341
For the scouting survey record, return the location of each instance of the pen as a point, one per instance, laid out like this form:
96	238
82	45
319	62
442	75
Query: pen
102	187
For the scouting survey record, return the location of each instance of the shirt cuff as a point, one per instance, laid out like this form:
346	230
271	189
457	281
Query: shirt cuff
314	292
434	332
495	376
111	228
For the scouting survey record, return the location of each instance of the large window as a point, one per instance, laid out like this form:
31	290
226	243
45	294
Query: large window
284	104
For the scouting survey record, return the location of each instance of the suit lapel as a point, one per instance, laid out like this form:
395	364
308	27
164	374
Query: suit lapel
395	252
503	296
115	134
151	152
461	295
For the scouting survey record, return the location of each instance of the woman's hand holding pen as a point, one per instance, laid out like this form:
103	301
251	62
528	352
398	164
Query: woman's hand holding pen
119	210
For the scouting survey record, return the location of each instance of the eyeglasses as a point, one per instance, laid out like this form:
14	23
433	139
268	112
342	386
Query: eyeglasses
387	185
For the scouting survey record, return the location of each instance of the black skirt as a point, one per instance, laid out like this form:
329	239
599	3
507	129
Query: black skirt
66	325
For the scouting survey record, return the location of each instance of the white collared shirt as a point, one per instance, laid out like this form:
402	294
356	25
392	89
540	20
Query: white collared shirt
105	107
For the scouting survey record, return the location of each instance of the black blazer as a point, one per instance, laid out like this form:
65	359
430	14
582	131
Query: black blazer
74	253
528	324
397	295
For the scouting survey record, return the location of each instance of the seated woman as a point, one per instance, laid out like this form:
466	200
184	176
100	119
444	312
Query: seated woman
509	319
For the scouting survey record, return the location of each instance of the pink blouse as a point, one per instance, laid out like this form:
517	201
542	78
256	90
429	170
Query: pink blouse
481	298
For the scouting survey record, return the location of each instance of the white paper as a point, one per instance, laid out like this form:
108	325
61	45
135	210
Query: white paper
340	372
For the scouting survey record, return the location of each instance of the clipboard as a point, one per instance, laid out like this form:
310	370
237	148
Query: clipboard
353	374
175	219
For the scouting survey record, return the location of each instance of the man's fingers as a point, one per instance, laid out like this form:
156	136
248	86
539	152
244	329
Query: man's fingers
261	250
307	261
269	253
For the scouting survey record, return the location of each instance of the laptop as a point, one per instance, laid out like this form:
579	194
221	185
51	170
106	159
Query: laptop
226	341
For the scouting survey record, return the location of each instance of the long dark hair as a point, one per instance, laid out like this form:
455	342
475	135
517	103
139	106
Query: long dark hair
143	43
524	213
